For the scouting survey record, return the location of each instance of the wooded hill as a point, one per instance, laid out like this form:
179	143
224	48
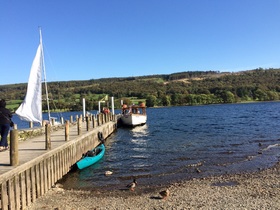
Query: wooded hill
183	88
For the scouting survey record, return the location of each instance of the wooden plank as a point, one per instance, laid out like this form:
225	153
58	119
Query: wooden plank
23	193
38	180
42	178
59	165
74	154
70	158
68	161
17	192
28	186
55	168
52	171
48	165
33	184
46	176
11	194
4	196
63	153
66	168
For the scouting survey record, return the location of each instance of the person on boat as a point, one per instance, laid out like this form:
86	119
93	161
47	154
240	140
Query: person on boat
5	123
106	110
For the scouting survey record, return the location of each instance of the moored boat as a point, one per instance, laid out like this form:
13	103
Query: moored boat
91	157
133	115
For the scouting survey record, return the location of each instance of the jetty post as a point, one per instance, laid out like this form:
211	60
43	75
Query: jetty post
67	130
93	121
14	160
79	124
62	120
48	136
87	122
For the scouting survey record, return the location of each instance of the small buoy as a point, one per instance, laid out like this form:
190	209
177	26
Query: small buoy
108	173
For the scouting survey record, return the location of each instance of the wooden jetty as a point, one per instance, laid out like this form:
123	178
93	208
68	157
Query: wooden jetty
44	159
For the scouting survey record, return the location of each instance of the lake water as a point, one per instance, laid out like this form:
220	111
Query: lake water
177	142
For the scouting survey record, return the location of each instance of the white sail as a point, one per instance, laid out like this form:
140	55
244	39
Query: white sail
31	108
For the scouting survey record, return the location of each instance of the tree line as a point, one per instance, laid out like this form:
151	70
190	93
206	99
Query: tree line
182	88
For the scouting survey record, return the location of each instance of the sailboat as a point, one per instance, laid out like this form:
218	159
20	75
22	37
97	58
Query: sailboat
31	108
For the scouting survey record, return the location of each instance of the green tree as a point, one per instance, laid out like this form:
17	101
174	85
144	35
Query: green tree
166	100
151	101
260	95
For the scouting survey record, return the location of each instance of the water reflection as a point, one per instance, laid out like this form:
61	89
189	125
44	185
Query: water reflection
140	131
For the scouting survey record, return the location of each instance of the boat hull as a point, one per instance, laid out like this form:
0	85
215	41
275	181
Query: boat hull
133	119
88	161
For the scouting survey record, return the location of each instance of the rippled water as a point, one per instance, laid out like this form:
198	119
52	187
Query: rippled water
178	142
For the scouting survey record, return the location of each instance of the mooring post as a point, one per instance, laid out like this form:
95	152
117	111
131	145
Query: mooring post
97	119
93	121
79	125
100	117
14	147
62	120
67	130
87	121
48	136
103	118
71	119
52	121
30	124
44	123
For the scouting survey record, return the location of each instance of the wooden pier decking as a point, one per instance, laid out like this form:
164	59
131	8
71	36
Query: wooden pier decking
39	169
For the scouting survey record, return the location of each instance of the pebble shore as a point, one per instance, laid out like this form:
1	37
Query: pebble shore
257	190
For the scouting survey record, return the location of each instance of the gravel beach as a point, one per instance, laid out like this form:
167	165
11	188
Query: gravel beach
257	190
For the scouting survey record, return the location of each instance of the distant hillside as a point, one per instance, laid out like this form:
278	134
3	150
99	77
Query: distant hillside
182	88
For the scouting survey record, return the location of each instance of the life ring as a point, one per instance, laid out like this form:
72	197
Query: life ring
100	136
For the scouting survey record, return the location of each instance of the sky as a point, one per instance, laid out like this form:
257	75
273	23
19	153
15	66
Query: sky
92	39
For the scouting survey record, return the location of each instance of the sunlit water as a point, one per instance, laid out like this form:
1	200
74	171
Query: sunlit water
178	142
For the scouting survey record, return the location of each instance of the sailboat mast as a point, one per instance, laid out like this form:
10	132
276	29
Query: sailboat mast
44	71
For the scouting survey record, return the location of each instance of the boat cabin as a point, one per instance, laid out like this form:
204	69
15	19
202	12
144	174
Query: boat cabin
134	109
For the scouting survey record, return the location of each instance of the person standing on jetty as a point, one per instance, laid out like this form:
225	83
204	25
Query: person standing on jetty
5	123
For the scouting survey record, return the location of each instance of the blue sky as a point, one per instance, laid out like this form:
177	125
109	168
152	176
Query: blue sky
91	39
